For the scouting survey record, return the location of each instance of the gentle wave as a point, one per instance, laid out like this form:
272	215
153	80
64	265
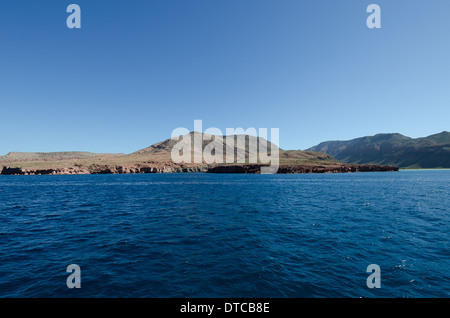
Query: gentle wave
208	235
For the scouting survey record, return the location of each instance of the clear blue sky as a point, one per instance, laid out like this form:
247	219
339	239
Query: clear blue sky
136	70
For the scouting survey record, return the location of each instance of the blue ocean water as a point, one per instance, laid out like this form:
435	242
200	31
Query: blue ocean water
226	235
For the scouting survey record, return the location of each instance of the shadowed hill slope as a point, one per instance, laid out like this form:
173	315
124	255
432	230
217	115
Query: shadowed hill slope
392	149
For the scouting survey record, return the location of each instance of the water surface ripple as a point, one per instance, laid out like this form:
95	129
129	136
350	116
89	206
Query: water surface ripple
216	235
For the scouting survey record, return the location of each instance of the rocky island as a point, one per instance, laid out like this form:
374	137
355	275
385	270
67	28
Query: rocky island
157	159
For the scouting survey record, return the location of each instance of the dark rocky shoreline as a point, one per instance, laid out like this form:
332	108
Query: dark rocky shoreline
172	168
287	169
103	169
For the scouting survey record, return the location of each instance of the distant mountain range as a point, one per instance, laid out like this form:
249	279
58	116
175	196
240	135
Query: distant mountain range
391	149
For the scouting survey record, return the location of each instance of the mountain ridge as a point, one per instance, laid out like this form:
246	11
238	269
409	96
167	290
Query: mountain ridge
395	149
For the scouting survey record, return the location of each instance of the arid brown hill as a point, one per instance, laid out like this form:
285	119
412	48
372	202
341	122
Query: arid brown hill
157	159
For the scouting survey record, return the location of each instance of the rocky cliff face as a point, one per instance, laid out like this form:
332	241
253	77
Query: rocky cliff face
172	168
105	169
285	169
